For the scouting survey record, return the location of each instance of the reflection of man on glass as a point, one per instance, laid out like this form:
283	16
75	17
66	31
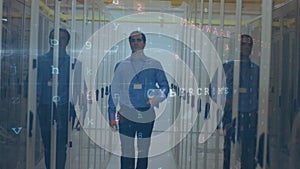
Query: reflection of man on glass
247	106
139	84
61	106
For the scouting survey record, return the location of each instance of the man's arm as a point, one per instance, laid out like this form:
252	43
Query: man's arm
227	117
112	112
79	87
113	99
39	80
227	80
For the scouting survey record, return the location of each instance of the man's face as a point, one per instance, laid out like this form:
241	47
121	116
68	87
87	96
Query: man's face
63	40
246	46
246	50
136	42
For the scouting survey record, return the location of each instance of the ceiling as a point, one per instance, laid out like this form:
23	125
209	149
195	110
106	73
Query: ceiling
248	6
118	8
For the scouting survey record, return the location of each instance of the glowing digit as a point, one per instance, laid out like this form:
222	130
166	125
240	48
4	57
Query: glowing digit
139	7
88	45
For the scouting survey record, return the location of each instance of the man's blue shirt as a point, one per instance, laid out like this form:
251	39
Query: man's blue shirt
248	86
44	79
133	78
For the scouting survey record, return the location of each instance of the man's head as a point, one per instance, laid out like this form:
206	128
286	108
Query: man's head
246	45
64	38
137	41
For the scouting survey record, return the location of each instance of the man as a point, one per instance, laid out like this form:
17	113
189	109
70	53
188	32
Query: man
58	105
134	80
247	106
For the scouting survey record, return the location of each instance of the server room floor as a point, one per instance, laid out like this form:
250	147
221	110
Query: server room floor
85	154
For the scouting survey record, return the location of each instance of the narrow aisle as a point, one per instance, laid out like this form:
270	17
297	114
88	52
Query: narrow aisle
162	161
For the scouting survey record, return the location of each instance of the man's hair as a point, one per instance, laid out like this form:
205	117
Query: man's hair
246	39
138	32
51	35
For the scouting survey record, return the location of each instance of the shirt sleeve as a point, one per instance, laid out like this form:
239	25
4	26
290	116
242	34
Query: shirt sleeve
163	83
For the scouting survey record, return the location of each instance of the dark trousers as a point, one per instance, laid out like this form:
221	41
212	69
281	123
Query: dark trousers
61	117
229	127
247	130
128	131
247	135
227	145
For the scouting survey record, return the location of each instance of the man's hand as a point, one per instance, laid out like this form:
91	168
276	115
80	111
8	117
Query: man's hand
152	101
114	125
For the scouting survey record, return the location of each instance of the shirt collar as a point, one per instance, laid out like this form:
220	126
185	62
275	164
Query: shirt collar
142	58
